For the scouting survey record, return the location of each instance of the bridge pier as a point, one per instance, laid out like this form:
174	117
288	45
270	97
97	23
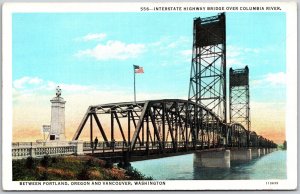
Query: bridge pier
213	159
125	162
255	152
241	154
79	147
263	151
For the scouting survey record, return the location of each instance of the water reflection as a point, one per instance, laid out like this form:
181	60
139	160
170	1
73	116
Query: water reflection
271	166
210	173
239	170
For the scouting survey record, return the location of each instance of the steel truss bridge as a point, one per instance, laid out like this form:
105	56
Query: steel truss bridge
168	126
162	127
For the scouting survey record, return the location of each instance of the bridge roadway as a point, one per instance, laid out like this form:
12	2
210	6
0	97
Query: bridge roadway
120	152
141	152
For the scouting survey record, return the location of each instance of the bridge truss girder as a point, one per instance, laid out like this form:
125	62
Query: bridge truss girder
237	135
168	125
163	124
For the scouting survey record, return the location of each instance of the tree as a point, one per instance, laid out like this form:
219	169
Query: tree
284	145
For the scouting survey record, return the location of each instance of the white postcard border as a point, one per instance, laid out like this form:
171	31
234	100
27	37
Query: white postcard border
290	8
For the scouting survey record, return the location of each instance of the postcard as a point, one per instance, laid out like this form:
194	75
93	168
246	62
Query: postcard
149	96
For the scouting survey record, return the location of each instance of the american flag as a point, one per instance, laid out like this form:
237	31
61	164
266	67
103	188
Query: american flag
138	69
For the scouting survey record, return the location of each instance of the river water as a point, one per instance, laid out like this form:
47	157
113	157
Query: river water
270	166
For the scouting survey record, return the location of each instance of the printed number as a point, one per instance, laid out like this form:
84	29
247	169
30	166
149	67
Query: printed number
271	183
144	8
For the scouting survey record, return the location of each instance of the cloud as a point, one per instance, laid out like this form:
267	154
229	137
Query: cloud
235	55
29	86
88	93
187	53
170	42
235	62
252	50
177	42
265	117
179	47
67	87
25	81
276	78
119	50
92	36
75	87
33	110
271	79
234	51
113	50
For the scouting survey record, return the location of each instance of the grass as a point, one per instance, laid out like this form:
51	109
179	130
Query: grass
70	168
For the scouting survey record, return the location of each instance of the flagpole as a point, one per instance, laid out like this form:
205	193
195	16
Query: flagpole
134	84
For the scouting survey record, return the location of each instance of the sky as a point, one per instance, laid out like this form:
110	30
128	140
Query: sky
90	56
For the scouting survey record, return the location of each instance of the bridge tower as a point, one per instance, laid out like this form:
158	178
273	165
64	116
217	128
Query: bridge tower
239	98
208	68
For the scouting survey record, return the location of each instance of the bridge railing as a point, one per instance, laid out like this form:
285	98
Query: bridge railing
105	145
39	144
111	146
21	150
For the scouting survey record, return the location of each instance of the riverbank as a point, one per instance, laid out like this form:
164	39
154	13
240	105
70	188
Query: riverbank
71	168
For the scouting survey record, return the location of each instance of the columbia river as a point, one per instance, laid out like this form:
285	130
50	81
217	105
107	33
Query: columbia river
270	166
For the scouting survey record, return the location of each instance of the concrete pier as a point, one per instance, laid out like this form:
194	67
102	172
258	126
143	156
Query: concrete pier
212	159
241	154
79	147
255	152
263	151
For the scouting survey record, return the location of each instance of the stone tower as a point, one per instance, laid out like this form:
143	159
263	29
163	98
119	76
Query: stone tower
57	130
